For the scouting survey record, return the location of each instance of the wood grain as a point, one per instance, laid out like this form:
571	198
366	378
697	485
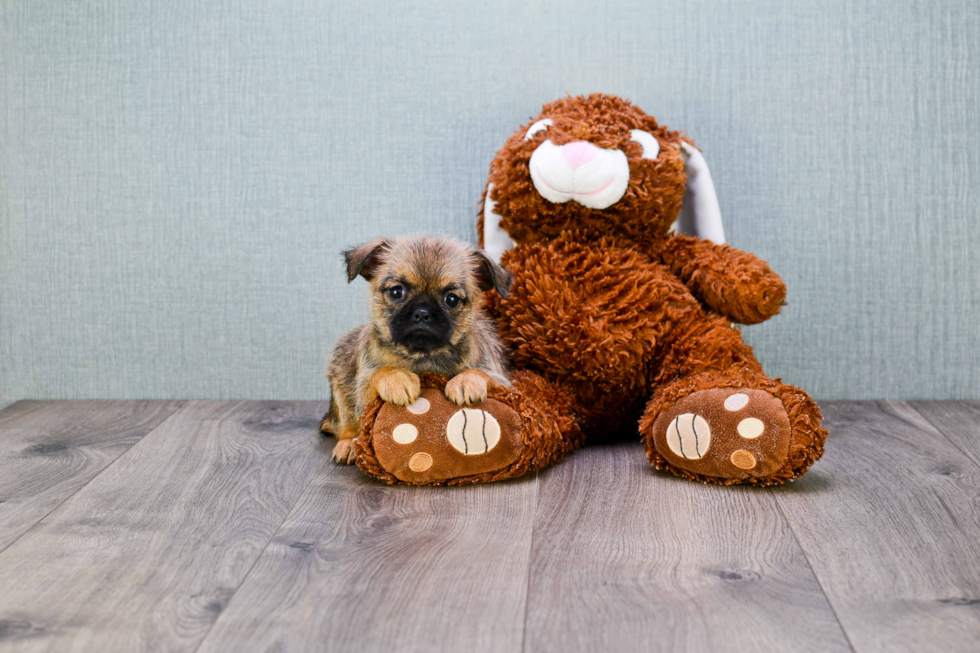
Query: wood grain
890	522
48	450
959	421
626	559
359	566
146	556
227	528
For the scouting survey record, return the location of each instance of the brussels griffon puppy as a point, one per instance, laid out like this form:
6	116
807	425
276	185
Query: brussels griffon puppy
426	316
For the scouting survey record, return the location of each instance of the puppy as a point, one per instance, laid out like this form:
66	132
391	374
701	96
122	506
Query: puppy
426	316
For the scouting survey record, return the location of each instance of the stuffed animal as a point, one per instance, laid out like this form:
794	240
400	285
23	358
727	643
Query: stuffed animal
617	322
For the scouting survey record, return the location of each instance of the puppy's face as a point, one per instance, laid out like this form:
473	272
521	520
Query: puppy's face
425	291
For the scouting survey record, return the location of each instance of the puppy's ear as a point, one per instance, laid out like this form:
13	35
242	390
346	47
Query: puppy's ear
364	260
490	275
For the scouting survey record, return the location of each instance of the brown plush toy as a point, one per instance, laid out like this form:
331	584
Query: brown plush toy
612	321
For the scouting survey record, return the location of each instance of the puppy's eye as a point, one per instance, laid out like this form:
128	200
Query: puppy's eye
452	300
539	126
651	146
395	293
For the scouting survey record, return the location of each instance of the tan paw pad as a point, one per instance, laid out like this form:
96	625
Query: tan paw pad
420	462
743	459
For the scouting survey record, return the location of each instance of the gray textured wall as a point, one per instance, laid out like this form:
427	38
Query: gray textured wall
178	176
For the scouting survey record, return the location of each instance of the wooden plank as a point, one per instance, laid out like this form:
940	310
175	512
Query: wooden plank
360	566
959	421
146	556
890	522
626	559
49	449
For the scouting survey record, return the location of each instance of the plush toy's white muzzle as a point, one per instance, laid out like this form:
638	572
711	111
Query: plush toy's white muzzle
592	176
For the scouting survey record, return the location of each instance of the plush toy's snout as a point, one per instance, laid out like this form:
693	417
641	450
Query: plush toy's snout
592	176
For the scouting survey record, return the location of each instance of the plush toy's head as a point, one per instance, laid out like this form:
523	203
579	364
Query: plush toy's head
595	162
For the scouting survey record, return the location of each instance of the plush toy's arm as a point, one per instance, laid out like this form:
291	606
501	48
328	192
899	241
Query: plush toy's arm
737	284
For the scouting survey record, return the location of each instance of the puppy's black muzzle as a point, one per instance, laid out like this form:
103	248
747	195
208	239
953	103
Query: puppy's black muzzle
422	325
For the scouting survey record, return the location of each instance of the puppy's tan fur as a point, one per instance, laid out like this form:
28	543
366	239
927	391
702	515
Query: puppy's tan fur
368	361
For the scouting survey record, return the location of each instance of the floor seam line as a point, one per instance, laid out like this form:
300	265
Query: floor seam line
813	572
265	547
100	473
942	432
527	582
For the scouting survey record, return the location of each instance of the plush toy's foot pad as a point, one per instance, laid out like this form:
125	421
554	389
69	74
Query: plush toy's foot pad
726	433
435	440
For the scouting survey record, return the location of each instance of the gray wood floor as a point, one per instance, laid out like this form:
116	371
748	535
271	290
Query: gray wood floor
222	526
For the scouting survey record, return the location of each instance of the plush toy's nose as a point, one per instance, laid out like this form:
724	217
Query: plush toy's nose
560	173
578	153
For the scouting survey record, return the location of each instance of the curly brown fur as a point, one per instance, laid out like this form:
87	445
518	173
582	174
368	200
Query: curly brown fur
426	316
590	311
607	304
736	284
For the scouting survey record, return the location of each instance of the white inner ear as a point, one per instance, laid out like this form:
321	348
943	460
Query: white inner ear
540	125
700	214
651	146
496	241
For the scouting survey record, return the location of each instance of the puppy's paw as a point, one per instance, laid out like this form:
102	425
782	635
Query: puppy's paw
468	387
344	452
396	386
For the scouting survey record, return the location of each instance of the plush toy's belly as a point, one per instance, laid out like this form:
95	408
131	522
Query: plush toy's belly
591	314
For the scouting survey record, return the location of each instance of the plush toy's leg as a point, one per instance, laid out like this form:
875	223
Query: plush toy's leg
434	442
716	417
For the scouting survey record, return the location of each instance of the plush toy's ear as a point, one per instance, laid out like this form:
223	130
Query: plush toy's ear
496	241
364	260
700	214
490	274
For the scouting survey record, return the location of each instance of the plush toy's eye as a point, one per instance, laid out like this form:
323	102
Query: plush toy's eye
540	125
651	147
